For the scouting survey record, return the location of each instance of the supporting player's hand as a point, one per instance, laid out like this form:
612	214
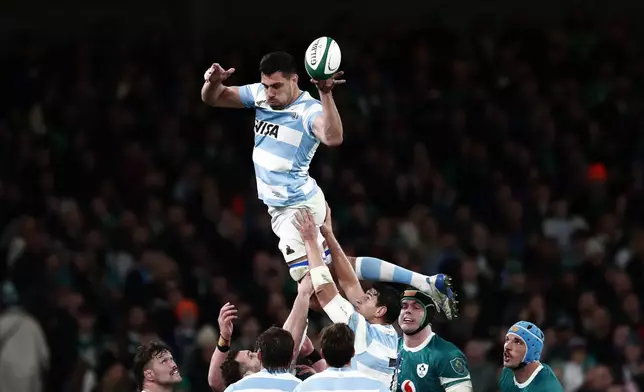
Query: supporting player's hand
216	74
303	371
305	223
305	287
325	86
327	226
227	314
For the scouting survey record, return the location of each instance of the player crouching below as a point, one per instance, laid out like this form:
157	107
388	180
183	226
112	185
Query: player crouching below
426	362
522	369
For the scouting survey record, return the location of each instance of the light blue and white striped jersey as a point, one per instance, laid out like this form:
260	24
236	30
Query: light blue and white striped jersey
341	380
263	381
284	147
376	345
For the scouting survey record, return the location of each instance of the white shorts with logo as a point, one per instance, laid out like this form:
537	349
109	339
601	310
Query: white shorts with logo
291	244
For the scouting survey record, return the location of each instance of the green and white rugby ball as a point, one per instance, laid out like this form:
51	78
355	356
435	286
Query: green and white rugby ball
322	58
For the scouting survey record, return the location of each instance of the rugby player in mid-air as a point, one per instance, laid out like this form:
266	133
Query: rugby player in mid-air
289	127
522	370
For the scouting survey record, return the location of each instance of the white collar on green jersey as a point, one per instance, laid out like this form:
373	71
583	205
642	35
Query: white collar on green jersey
529	380
420	346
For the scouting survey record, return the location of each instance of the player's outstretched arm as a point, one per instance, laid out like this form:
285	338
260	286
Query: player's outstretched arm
296	322
215	94
323	284
227	314
341	265
327	127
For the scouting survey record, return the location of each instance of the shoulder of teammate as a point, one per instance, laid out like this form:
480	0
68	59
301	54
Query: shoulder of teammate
449	363
251	95
546	380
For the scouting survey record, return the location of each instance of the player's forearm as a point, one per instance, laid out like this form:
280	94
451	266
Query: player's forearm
215	380
296	321
210	92
333	130
343	269
324	291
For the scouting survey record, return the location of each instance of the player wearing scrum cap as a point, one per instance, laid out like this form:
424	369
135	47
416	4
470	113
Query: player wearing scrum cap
426	362
522	370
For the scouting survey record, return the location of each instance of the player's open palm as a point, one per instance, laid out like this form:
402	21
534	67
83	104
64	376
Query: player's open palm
305	223
217	74
227	314
325	86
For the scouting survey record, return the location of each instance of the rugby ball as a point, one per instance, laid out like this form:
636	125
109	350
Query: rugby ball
322	58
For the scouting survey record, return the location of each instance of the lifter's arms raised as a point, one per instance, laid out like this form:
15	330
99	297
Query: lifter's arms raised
305	223
327	126
214	93
227	314
341	266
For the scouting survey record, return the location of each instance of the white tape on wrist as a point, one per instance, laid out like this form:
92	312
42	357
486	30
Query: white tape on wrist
321	276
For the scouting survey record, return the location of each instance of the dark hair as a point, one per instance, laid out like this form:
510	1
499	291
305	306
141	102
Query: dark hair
277	62
388	297
231	369
276	346
337	344
144	355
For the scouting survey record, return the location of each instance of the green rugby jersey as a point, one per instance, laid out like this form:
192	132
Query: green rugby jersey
542	380
435	366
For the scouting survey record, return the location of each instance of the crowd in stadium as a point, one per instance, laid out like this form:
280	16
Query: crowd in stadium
511	160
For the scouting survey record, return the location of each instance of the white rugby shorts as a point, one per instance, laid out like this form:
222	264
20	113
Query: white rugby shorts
291	244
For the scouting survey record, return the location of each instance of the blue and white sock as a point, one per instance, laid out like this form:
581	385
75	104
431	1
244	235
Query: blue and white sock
370	268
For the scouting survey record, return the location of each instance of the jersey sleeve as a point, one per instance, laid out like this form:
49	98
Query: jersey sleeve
340	310
248	94
310	114
453	371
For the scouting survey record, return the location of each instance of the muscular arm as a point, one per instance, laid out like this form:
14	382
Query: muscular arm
215	380
218	95
327	291
343	268
327	127
296	322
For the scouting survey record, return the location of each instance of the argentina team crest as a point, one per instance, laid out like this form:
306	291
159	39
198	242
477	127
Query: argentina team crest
458	365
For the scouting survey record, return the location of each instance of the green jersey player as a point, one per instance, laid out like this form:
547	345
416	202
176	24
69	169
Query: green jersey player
522	371
426	362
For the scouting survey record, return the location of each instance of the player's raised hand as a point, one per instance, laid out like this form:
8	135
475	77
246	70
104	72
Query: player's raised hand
217	74
227	314
306	225
327	226
325	86
305	287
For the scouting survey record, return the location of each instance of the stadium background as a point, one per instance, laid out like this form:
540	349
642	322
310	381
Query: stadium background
500	143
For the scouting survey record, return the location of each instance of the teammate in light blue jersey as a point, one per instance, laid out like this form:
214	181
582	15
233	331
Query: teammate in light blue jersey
275	351
337	344
289	126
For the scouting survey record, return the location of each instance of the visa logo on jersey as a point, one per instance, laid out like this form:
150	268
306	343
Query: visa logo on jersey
264	128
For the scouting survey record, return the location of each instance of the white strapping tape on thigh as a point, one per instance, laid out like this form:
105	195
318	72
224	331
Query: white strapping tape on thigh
320	276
